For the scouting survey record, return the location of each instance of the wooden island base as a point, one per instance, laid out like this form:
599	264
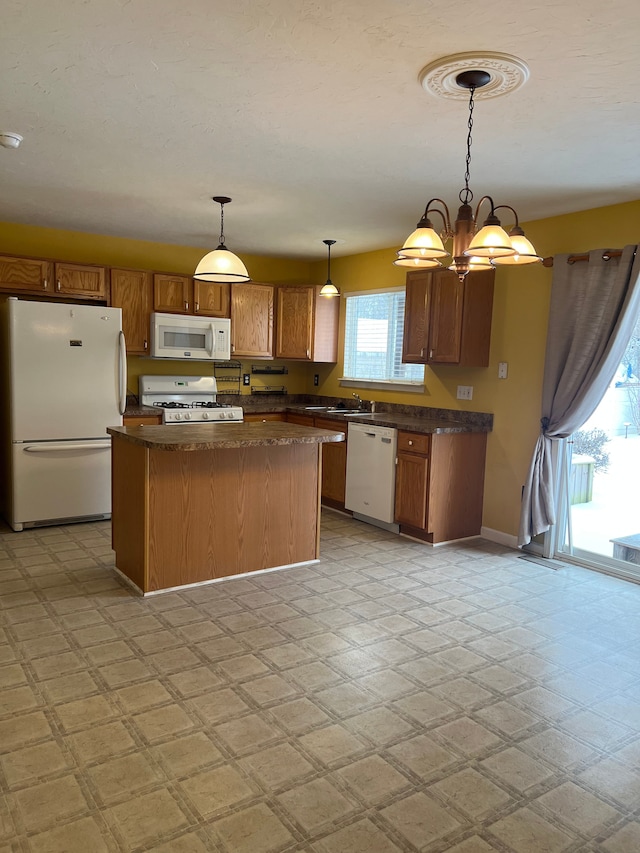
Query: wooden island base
182	518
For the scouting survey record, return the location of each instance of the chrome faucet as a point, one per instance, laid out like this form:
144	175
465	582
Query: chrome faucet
362	404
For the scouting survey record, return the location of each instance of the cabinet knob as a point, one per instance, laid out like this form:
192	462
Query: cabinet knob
45	284
58	285
144	345
186	306
422	353
410	444
430	353
196	307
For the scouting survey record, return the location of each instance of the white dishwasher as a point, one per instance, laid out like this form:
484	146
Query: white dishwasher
371	473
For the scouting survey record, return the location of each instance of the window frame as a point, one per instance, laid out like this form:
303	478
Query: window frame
402	384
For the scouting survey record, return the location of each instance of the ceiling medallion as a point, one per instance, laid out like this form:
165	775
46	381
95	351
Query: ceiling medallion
506	74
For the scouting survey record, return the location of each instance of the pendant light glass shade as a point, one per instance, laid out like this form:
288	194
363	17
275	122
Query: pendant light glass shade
423	243
329	288
524	251
221	265
416	263
492	241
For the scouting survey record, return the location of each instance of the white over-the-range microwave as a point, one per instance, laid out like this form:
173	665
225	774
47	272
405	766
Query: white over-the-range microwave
193	338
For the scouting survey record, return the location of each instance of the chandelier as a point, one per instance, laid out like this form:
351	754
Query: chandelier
472	248
221	265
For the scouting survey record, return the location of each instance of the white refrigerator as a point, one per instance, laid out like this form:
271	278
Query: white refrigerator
67	380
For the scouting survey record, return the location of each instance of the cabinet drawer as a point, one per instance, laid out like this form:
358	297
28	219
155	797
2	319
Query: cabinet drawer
141	420
256	417
301	420
413	442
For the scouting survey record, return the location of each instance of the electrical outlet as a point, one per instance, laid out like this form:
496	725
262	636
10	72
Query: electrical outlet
465	392
246	379
316	378
502	370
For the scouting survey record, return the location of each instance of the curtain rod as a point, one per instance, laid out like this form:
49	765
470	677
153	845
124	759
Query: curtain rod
572	259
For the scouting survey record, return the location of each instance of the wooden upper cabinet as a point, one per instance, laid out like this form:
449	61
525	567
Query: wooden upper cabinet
83	281
172	294
252	320
131	290
26	275
307	324
211	299
448	321
180	294
416	317
294	322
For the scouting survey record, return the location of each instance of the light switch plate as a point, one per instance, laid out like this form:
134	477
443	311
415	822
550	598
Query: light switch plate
465	392
503	368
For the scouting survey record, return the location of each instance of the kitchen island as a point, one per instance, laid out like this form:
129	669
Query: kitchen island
199	502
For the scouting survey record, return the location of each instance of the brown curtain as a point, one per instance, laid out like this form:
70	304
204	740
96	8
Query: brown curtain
594	309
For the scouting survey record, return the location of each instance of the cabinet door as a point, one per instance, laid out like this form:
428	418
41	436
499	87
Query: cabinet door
416	317
334	463
141	420
264	417
26	274
88	282
412	480
294	326
301	420
131	291
252	320
172	293
445	322
210	299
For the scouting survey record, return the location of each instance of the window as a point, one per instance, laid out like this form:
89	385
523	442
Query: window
373	338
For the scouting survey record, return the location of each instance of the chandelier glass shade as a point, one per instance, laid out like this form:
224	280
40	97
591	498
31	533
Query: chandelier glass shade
473	248
329	288
221	265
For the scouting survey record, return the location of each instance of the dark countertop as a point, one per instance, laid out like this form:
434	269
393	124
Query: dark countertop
410	423
420	419
187	437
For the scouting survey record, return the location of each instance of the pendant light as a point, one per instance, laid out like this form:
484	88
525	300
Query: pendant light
472	248
329	288
221	265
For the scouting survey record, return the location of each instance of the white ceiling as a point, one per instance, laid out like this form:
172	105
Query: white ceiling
308	114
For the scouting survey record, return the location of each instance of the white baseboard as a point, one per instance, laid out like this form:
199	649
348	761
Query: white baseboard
500	537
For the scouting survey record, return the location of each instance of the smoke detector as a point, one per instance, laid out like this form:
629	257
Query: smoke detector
8	139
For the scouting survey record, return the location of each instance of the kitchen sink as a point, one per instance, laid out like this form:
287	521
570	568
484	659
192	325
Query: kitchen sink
332	410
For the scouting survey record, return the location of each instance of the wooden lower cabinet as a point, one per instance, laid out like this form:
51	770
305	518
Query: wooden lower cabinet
440	485
334	459
265	416
301	420
142	420
334	465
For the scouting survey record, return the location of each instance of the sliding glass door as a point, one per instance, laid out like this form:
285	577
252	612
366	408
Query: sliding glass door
599	518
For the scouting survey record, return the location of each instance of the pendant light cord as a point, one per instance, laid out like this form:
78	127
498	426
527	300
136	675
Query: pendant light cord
222	223
466	195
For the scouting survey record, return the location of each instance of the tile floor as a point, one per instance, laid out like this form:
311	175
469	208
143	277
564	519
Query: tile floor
391	698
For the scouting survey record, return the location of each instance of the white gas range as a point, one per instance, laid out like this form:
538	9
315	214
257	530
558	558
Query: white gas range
187	400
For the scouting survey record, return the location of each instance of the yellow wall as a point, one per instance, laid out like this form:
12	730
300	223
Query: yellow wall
140	254
521	306
519	330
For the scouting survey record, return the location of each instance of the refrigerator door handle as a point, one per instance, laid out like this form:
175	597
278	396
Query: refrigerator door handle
122	365
48	447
